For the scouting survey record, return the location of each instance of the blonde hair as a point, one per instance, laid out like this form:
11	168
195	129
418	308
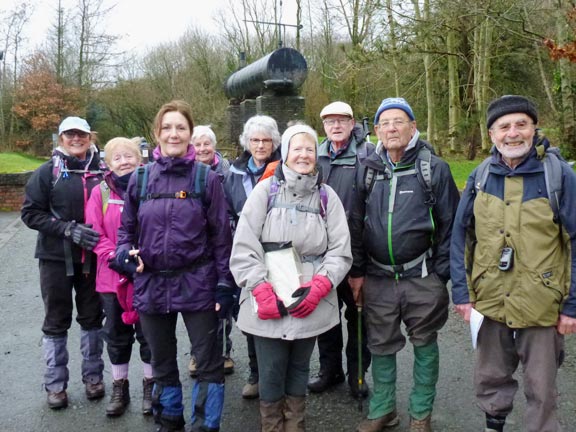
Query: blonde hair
121	142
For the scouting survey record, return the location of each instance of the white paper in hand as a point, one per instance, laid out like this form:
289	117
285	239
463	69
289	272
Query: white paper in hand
476	319
284	273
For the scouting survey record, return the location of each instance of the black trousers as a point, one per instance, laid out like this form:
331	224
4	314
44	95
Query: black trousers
119	337
57	294
160	332
330	343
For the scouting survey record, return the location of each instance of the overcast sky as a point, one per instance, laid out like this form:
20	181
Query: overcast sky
143	23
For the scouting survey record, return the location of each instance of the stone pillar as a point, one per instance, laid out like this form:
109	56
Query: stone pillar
234	125
282	108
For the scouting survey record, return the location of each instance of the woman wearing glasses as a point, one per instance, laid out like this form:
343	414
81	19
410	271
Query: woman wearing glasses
56	195
261	141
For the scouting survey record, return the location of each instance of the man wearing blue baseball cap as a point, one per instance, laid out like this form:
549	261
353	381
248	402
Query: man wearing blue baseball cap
400	243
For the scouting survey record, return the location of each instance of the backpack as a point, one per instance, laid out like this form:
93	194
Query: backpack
198	192
273	194
551	159
105	192
61	170
421	168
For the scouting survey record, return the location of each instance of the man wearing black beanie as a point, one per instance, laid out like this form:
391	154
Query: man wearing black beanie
519	277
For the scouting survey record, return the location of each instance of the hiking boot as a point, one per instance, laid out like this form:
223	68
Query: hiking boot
325	380
95	391
147	387
376	425
193	367
357	392
421	425
228	365
119	399
250	389
57	400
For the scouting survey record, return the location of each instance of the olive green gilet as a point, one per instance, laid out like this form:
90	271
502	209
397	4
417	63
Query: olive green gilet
532	292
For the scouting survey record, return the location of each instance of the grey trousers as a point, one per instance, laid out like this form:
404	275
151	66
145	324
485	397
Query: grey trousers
420	303
283	367
500	350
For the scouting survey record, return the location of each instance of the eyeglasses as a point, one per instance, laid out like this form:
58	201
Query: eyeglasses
70	134
394	123
332	122
257	141
520	126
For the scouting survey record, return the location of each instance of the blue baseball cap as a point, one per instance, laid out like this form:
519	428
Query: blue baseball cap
391	103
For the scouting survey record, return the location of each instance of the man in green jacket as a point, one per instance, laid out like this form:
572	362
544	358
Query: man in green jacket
520	275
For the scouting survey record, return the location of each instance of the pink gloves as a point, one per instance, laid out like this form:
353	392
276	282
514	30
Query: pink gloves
269	306
310	295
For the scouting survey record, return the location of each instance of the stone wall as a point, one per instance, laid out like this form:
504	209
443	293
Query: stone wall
12	190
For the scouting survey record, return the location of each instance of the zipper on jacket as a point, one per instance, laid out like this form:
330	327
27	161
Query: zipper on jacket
391	201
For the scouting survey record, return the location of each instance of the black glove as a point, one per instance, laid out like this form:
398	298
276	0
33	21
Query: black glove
226	297
124	264
82	234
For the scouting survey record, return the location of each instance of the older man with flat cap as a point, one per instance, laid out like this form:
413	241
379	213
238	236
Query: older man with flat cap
519	212
339	159
400	233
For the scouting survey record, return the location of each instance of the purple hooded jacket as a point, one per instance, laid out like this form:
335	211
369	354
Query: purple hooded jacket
185	243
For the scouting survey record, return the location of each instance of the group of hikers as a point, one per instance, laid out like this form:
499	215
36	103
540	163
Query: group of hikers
284	236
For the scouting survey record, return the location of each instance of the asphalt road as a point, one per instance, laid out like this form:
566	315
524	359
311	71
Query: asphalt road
23	401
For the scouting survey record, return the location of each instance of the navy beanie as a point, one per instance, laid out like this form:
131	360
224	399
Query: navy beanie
391	103
510	104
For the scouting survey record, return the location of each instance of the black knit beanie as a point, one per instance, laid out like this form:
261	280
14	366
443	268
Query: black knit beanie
510	104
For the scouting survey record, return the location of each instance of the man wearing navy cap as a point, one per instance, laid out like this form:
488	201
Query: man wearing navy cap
520	273
400	243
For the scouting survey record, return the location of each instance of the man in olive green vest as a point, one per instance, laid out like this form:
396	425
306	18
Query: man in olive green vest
520	273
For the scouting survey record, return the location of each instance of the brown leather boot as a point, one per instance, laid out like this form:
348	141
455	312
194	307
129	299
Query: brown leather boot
423	425
294	414
272	416
376	425
119	399
57	400
94	391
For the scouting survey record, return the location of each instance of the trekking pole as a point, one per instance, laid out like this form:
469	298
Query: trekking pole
224	325
360	367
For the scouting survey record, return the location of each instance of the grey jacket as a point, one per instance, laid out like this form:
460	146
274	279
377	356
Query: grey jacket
310	234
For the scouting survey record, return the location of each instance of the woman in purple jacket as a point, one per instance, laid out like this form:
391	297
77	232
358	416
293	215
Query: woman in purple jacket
182	242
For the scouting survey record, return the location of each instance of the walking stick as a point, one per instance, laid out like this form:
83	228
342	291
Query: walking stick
224	325
360	367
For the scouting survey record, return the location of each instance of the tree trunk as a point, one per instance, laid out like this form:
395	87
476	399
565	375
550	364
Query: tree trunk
454	108
394	46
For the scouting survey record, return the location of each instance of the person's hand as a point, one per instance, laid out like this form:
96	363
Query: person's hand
135	254
356	284
566	324
464	310
125	263
309	296
269	305
82	234
225	299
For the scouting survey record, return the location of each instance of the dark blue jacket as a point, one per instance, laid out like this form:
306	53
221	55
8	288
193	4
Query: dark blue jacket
395	225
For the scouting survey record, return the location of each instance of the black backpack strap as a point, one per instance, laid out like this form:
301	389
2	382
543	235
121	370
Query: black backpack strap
424	168
141	183
481	174
553	179
201	180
